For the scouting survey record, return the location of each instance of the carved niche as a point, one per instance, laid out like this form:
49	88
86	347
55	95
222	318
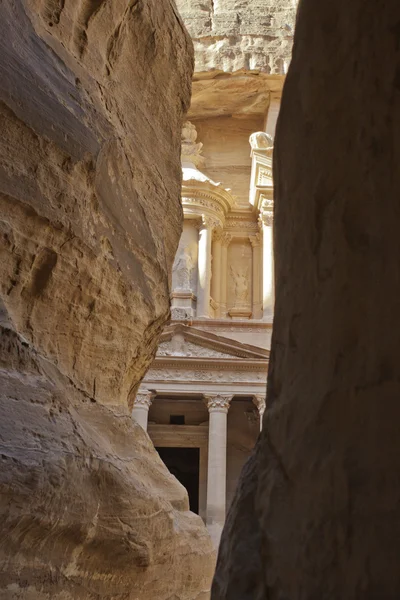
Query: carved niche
184	270
240	278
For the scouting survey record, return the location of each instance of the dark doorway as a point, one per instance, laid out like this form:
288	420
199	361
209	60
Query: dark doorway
184	463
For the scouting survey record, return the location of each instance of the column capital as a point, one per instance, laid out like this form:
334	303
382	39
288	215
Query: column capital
259	401
267	212
226	238
209	223
143	398
268	218
218	234
218	402
255	240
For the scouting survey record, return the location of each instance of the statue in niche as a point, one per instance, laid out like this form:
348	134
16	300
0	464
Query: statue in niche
183	269
241	285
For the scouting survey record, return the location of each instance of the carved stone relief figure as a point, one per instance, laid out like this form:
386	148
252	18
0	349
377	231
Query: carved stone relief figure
183	269
240	278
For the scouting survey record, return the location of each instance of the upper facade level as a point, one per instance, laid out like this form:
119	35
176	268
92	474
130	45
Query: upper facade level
223	268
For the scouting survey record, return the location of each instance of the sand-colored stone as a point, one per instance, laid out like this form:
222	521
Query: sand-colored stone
316	514
90	220
91	182
230	35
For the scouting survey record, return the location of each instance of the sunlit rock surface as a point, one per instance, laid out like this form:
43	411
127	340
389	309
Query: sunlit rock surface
90	219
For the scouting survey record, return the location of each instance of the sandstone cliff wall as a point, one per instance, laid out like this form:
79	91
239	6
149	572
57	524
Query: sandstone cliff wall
91	100
229	35
316	515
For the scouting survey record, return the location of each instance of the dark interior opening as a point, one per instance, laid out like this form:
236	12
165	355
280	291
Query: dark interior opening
184	463
177	419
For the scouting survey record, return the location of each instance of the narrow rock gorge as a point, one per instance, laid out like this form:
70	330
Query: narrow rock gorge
316	513
90	219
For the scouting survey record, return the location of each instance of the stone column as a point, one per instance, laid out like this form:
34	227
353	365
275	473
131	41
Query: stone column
268	263
259	401
141	405
204	267
218	405
216	269
225	241
255	241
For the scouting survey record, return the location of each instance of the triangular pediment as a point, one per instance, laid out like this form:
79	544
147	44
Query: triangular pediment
181	341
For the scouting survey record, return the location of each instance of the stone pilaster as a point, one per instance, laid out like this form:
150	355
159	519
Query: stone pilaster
218	406
141	406
226	239
255	241
216	269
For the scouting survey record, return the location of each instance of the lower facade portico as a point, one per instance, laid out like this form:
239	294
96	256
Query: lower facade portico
206	392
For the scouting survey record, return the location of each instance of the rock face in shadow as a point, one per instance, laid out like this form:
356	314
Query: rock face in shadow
316	513
92	96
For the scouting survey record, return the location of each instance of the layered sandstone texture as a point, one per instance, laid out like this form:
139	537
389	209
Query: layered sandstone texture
90	219
230	35
316	515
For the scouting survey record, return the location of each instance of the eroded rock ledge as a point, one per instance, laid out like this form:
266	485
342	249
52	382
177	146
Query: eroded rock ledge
90	220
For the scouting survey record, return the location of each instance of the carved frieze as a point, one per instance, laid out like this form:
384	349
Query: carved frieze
207	203
236	223
205	375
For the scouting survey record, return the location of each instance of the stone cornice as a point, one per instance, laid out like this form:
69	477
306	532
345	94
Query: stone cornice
206	198
201	364
229	325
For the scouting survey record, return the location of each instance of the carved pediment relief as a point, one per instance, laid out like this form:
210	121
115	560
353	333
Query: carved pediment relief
188	342
189	350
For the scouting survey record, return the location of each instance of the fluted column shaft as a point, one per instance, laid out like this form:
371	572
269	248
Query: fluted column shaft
218	406
141	406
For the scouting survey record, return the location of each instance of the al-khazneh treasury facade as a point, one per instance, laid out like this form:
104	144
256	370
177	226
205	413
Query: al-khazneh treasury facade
203	398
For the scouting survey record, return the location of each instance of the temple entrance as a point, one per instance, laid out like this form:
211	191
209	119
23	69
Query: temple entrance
184	464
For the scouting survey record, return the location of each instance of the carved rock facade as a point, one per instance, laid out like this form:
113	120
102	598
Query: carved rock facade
90	219
223	276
